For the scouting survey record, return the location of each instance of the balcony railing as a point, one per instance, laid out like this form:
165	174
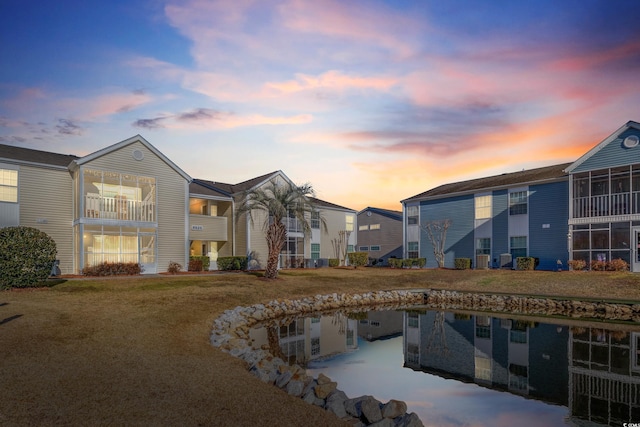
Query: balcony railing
119	208
607	205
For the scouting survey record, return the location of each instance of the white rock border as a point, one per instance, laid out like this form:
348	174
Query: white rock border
231	334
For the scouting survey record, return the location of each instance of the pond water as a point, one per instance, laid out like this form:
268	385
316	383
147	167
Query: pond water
474	369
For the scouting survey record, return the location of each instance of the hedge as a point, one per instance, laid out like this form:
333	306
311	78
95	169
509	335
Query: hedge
525	263
462	263
113	269
199	263
232	263
26	257
407	262
358	259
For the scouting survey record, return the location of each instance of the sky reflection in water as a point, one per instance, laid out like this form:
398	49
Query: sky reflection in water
376	369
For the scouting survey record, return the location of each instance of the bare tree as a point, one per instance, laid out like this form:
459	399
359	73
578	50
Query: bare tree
437	233
341	246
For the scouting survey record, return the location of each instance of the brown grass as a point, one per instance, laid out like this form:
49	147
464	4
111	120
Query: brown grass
135	351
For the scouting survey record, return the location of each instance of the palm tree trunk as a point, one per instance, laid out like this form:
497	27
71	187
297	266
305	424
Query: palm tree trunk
276	238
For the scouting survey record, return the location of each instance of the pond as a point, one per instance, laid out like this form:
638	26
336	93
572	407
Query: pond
466	368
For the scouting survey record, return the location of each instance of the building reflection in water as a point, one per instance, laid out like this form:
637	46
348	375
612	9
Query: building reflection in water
593	369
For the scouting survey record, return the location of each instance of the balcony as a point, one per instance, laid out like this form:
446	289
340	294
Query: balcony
208	228
119	208
607	205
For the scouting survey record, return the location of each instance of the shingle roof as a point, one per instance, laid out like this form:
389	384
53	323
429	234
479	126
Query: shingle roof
325	204
206	188
546	173
29	155
397	215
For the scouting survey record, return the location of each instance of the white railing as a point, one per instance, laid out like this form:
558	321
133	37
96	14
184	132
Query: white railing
606	205
119	208
293	225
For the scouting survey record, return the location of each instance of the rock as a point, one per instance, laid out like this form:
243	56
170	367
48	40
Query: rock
371	410
385	422
323	390
394	408
409	420
283	379
295	388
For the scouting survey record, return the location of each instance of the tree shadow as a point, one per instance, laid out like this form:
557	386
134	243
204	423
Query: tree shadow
9	319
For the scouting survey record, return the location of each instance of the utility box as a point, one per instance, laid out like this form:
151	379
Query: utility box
482	262
506	261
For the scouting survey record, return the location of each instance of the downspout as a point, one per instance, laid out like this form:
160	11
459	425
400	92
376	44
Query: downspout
404	230
233	226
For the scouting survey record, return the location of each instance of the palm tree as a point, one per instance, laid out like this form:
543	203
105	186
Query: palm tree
280	202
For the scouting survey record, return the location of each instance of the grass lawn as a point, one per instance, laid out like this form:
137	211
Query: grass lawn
135	350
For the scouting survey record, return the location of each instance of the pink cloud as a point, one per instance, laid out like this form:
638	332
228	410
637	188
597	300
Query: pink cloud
331	80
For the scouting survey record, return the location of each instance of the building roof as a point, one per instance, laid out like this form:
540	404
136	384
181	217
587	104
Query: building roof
397	215
28	155
206	188
547	173
630	124
325	204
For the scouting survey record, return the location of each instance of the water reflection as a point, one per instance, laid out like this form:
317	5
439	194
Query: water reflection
471	368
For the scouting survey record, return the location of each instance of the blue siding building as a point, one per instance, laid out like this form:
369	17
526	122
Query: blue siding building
586	210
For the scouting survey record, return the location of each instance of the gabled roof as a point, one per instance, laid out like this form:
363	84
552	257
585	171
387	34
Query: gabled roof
325	204
229	189
129	141
397	215
630	124
35	157
206	188
531	176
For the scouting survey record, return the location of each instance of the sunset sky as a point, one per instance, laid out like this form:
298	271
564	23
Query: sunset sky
371	102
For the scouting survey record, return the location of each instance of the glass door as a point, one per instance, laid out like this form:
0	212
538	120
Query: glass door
147	254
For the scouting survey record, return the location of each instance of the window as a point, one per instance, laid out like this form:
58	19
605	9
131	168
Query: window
315	219
315	251
374	227
518	246
8	185
483	246
363	227
412	250
349	223
376	248
412	215
483	207
363	248
315	346
483	327
350	248
518	203
412	320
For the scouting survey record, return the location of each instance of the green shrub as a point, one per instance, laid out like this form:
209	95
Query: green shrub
577	264
358	259
113	269
232	263
525	263
26	257
462	263
204	260
407	262
334	262
395	262
174	267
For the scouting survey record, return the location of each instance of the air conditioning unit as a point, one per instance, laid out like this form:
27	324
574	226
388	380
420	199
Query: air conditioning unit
482	261
505	261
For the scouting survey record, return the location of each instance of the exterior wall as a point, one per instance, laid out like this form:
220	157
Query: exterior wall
388	236
613	154
257	238
46	203
460	236
500	232
172	198
10	211
548	226
336	222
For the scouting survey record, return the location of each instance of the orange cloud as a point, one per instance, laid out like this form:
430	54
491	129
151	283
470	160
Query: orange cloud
332	80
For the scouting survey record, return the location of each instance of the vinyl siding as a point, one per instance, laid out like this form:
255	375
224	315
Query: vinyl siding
549	204
388	236
336	222
46	203
500	237
613	154
257	237
459	241
172	198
